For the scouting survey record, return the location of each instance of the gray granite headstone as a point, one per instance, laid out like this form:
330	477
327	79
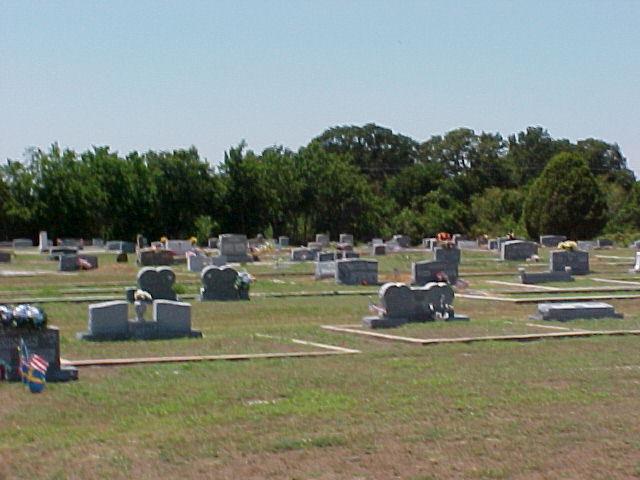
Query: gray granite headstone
586	244
467	244
518	250
322	239
326	256
403	241
283	241
563	311
302	254
578	260
325	270
97	242
174	318
22	243
551	241
158	282
378	249
357	271
196	263
347	254
604	242
109	320
219	283
346	238
234	247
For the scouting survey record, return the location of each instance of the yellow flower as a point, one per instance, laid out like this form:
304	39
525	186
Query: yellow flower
193	240
163	239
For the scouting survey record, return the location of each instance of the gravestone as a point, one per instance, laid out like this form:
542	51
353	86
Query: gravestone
122	258
378	249
141	242
72	263
518	250
283	242
492	244
5	257
158	282
467	244
429	243
22	243
326	256
56	252
212	242
551	241
448	255
322	239
72	242
564	311
325	270
377	241
97	242
196	263
44	342
234	247
120	246
346	238
347	254
428	272
150	257
302	254
43	244
576	259
109	321
356	271
179	247
586	244
403	241
544	277
220	283
403	304
604	242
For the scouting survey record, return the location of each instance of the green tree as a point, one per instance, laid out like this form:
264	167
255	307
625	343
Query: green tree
531	150
565	200
496	211
414	181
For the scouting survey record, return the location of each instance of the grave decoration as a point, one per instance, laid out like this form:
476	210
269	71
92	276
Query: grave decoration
224	283
72	263
28	323
401	304
564	311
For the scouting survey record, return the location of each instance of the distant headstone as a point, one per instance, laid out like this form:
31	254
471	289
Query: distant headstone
346	238
196	263
501	240
347	254
492	244
158	282
518	250
377	241
120	246
220	283
322	239
5	257
551	241
535	278
72	263
151	257
141	242
325	270
467	244
22	243
403	241
97	242
604	242
234	247
43	243
302	255
283	241
578	260
564	311
122	258
402	304
212	242
356	271
586	244
429	243
179	247
428	272
448	255
636	267
326	256
378	249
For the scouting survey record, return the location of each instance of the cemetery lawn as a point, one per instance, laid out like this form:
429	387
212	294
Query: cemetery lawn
546	409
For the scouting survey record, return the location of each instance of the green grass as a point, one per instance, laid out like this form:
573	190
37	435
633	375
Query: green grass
547	409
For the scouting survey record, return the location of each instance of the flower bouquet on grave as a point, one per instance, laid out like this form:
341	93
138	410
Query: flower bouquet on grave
444	239
22	316
568	245
243	282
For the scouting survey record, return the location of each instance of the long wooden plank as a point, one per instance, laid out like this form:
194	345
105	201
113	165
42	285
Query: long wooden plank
104	362
489	338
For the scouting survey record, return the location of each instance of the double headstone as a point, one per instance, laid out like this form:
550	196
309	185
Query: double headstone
578	260
357	271
157	282
222	283
518	250
234	247
403	304
551	241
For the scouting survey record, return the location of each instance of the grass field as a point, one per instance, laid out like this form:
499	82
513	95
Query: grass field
560	409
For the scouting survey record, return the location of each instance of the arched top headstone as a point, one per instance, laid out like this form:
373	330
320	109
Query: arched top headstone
219	283
158	282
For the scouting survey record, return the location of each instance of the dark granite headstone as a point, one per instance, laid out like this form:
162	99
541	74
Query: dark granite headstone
448	255
544	277
158	282
148	257
578	260
219	283
45	342
428	272
563	311
356	271
551	241
517	250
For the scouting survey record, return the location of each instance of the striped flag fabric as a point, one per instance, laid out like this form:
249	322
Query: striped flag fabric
33	369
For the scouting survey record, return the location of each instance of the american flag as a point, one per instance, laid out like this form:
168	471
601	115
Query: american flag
33	369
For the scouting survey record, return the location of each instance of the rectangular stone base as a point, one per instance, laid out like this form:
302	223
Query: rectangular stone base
141	331
545	277
389	322
565	311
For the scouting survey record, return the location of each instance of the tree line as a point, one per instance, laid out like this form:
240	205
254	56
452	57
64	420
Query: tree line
366	180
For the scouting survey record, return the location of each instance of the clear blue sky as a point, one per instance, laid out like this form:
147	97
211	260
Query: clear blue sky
144	75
